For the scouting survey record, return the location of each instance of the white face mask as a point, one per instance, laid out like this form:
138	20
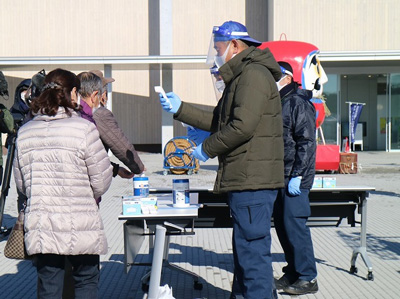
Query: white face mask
278	84
98	106
23	96
220	60
220	85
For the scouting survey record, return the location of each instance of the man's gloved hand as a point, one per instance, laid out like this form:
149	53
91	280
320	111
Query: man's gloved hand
198	153
294	185
173	104
197	135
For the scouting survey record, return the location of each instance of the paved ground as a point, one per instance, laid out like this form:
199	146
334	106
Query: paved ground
209	252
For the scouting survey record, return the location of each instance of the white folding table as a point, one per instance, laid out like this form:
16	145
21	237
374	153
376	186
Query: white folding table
166	221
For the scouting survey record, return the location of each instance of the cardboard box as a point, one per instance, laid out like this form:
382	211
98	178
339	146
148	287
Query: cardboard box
348	163
329	182
317	182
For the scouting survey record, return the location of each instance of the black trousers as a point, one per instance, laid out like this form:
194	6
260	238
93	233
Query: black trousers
50	270
290	216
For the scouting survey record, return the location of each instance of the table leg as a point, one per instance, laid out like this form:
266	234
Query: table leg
156	268
362	250
196	284
133	239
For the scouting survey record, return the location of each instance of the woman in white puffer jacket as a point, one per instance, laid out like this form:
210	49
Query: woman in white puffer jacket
61	165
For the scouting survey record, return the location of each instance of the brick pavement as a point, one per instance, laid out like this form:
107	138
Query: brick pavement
209	252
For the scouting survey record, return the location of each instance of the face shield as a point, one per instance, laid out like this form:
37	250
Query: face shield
314	76
220	43
218	82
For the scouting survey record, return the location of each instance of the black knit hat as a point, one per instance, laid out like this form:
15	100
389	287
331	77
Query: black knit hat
286	68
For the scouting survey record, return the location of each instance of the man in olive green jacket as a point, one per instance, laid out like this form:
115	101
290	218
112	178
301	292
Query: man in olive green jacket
246	135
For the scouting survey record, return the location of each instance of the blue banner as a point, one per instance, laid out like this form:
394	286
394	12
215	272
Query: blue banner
355	116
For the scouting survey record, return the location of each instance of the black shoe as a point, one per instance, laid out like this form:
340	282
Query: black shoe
301	287
282	282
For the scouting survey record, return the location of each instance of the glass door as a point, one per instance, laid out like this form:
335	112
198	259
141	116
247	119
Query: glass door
394	113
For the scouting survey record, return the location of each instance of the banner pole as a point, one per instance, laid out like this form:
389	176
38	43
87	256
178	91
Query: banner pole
350	120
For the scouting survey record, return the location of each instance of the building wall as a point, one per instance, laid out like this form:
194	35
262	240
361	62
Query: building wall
340	25
73	28
131	28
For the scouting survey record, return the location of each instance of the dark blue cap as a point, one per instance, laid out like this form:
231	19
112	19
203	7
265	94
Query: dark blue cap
233	30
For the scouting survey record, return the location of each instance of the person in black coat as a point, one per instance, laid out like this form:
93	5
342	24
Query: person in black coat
292	207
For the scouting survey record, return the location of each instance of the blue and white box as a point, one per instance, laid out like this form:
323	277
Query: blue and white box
329	182
150	201
131	206
317	182
136	205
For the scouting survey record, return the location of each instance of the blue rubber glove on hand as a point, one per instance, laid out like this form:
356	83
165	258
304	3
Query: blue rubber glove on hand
198	153
197	135
294	186
173	104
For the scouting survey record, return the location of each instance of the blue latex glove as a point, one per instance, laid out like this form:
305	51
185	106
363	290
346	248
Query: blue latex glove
173	104
198	153
294	186
197	135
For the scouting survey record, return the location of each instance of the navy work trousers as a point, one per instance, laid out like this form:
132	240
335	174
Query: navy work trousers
50	270
290	217
251	215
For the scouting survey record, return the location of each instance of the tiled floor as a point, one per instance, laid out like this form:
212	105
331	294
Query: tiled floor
209	252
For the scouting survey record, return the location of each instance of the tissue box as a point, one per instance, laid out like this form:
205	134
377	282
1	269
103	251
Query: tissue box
317	182
148	201
329	182
131	207
136	205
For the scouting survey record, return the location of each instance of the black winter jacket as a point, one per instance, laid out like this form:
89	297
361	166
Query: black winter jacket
20	109
246	125
298	115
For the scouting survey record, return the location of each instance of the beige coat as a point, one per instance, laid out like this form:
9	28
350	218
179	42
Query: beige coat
62	166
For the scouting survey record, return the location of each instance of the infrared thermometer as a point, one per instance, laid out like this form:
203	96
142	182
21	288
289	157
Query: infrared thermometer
159	89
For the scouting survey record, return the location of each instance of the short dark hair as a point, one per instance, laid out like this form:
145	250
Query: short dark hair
56	93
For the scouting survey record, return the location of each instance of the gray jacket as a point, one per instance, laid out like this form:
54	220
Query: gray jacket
61	166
